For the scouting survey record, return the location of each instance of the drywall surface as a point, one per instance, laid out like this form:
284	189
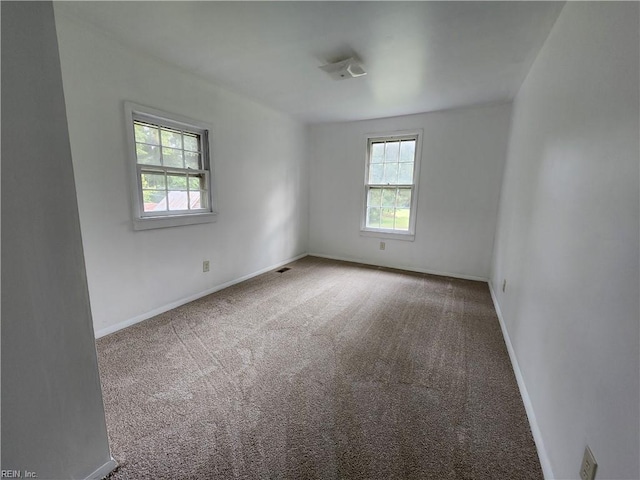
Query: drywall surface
567	241
463	154
52	414
260	173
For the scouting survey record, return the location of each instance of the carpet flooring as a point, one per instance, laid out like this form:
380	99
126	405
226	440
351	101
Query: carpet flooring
330	370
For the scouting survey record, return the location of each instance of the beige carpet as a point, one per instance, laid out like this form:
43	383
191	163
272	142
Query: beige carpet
330	370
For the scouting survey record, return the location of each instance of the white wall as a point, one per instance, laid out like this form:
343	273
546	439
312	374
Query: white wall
567	241
463	155
260	165
52	414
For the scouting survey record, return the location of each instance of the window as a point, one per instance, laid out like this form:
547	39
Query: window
170	168
391	185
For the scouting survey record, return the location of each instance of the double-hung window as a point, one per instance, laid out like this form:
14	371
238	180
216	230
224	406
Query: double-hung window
170	167
391	185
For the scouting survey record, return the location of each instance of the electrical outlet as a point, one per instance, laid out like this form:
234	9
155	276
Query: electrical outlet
205	266
383	245
589	465
504	284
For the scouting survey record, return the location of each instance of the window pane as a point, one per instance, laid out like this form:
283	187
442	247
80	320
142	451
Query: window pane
392	151
407	151
377	152
176	182
403	200
172	157
192	160
195	199
405	173
154	201
402	219
374	198
387	218
390	173
191	142
178	200
146	134
388	197
171	138
373	217
195	183
376	173
147	154
153	181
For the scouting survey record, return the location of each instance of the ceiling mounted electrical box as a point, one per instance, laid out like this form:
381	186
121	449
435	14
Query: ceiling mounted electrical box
349	68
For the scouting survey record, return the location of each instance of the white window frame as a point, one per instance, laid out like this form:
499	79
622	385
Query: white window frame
382	232
149	220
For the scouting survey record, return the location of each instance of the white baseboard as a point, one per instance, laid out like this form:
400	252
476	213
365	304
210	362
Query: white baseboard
104	470
170	306
401	267
545	463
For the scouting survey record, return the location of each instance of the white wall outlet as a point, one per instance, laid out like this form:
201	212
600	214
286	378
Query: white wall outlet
589	465
205	266
504	285
383	245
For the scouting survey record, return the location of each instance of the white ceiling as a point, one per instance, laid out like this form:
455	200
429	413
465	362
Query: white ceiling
420	56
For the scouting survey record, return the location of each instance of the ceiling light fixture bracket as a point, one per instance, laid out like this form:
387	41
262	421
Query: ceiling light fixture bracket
344	69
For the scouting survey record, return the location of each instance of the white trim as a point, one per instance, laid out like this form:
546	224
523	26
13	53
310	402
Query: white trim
547	471
165	308
401	267
149	223
104	470
372	232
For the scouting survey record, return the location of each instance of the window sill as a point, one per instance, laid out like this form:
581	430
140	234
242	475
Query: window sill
410	237
149	223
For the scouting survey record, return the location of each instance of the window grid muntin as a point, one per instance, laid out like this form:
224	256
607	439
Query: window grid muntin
203	173
390	185
161	146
